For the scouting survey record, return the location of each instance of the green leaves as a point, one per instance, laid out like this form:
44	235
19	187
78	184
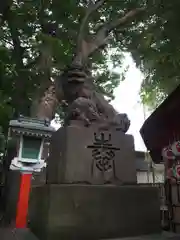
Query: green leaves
155	49
31	27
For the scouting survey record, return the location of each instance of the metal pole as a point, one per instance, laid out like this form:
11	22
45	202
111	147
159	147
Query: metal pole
146	152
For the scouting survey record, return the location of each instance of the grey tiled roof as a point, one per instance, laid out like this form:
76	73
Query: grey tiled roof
32	124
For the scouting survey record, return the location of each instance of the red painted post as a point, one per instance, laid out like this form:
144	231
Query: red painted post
22	205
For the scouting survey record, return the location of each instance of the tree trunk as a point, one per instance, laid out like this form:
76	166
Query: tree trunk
45	106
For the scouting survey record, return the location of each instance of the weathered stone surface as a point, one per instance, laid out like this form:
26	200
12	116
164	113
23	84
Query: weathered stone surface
76	156
11	196
93	212
84	104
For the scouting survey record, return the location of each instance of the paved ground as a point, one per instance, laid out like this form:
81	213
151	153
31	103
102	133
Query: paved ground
163	236
16	234
25	234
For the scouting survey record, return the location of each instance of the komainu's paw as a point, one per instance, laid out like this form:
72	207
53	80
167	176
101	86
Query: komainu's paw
122	121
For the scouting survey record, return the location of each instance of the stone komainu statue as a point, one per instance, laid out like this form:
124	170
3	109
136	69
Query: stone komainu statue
84	105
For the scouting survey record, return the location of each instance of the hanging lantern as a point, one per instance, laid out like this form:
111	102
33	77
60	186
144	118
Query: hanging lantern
176	148
176	171
168	153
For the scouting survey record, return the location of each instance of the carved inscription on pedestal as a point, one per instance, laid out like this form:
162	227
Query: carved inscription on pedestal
103	153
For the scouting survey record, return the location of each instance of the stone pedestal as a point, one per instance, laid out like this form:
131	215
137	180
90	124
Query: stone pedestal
84	197
90	155
93	212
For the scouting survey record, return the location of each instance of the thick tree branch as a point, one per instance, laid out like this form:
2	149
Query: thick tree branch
84	25
102	35
91	9
124	20
88	47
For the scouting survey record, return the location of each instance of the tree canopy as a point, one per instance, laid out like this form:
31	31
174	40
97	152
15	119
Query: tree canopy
155	49
37	40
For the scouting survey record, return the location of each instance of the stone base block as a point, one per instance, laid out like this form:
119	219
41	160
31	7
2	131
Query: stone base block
93	212
90	155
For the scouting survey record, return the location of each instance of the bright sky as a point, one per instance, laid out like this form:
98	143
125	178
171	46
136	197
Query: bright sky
127	100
